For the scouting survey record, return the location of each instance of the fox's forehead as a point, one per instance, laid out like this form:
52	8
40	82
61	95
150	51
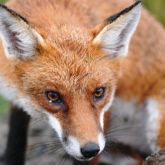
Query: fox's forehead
72	72
66	36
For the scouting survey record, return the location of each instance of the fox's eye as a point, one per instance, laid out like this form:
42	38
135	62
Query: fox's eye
99	93
54	97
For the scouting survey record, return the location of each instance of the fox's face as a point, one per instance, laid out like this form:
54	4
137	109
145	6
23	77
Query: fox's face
71	81
74	91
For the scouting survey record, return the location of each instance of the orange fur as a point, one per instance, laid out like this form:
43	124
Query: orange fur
68	56
148	65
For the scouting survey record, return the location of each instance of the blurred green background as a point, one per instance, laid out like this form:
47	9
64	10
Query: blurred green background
3	105
156	7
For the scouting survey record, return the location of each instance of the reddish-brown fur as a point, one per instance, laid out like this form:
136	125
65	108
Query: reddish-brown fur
142	61
65	25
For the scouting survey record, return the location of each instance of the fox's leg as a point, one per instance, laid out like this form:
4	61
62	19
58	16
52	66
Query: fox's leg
17	137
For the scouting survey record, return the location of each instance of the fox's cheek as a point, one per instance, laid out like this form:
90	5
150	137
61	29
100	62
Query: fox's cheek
55	123
106	107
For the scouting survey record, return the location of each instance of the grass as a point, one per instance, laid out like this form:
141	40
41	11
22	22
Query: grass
2	1
156	7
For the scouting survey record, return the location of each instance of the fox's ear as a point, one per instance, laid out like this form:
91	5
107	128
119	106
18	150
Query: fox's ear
19	39
114	35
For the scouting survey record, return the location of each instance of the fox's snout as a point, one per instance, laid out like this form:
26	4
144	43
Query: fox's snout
84	151
81	134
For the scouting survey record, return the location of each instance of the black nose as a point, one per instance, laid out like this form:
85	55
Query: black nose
90	150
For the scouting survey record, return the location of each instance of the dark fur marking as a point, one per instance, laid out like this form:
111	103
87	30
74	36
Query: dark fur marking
126	10
14	13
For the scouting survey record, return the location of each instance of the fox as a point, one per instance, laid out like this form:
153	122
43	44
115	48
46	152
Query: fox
66	61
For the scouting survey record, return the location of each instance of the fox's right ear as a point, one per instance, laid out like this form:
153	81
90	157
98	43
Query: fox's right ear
19	39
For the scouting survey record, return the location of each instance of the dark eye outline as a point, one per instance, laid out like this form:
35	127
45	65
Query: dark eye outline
59	101
98	98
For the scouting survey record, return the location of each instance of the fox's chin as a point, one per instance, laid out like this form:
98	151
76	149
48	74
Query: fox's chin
82	158
79	158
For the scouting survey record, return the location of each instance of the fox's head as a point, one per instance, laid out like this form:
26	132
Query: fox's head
69	76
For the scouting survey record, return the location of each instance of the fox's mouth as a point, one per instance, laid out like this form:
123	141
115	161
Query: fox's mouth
85	152
83	159
80	158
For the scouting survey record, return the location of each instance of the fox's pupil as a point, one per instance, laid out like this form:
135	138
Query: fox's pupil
99	93
53	97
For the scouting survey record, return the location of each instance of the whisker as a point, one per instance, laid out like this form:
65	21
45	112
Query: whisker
123	134
119	128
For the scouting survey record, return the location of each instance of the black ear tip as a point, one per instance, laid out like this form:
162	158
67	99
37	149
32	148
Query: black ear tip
12	12
126	10
137	3
3	7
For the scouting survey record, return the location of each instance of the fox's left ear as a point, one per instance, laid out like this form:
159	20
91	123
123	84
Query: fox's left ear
19	39
115	34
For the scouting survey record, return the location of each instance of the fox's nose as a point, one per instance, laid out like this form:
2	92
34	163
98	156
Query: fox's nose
90	150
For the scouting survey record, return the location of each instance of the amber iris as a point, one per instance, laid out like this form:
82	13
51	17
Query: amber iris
99	93
53	97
